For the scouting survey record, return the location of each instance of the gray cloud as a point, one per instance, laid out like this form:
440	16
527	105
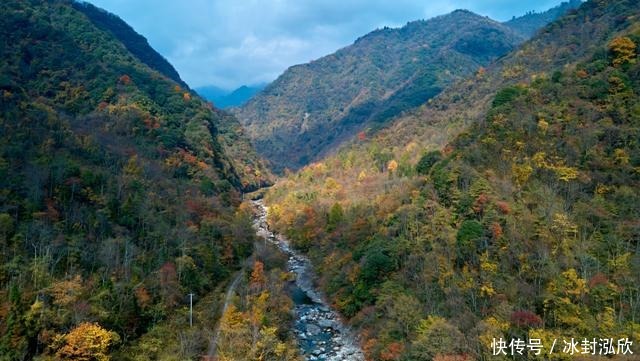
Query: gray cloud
229	43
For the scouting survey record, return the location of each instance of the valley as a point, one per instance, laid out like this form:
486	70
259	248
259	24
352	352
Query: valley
418	195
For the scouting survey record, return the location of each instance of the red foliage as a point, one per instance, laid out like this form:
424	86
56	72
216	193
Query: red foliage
362	136
102	105
125	79
168	274
52	212
503	207
524	318
480	202
598	279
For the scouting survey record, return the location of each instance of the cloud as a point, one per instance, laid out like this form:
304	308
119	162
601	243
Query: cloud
229	43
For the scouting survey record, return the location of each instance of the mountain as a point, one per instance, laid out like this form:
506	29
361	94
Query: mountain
503	208
134	42
528	24
223	99
120	190
211	92
312	108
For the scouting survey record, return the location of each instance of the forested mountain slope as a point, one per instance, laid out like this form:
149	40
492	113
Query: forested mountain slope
506	207
134	42
530	23
118	190
314	107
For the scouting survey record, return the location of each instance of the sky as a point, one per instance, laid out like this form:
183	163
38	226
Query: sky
229	43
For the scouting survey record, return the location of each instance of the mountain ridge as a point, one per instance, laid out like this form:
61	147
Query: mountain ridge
343	92
483	212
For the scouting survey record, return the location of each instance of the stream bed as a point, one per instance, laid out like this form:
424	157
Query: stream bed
321	334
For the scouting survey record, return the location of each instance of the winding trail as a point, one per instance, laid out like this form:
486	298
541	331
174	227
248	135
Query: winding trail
321	334
227	300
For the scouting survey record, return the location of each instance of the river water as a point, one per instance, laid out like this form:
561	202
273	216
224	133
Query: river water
321	334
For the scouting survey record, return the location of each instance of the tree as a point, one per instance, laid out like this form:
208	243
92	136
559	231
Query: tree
623	50
436	336
87	342
258	278
392	166
427	161
336	215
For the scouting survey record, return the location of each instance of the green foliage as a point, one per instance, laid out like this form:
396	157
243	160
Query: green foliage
125	186
427	161
336	216
525	227
313	108
506	95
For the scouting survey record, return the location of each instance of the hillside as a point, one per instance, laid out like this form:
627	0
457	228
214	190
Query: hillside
119	193
530	23
503	208
134	42
314	107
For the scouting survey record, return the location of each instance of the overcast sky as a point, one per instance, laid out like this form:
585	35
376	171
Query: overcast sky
229	43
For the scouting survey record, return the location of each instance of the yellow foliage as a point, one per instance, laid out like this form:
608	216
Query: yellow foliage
86	342
331	184
566	174
624	50
487	290
621	156
543	125
486	265
539	160
362	176
66	293
521	173
133	168
575	286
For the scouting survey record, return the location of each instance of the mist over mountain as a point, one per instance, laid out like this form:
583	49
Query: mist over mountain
226	99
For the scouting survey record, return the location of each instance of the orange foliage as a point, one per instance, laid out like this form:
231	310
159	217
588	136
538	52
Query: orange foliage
369	347
258	279
186	97
151	123
393	165
392	352
496	230
142	297
582	74
125	79
188	157
503	207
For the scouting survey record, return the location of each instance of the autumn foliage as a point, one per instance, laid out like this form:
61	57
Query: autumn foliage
86	342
